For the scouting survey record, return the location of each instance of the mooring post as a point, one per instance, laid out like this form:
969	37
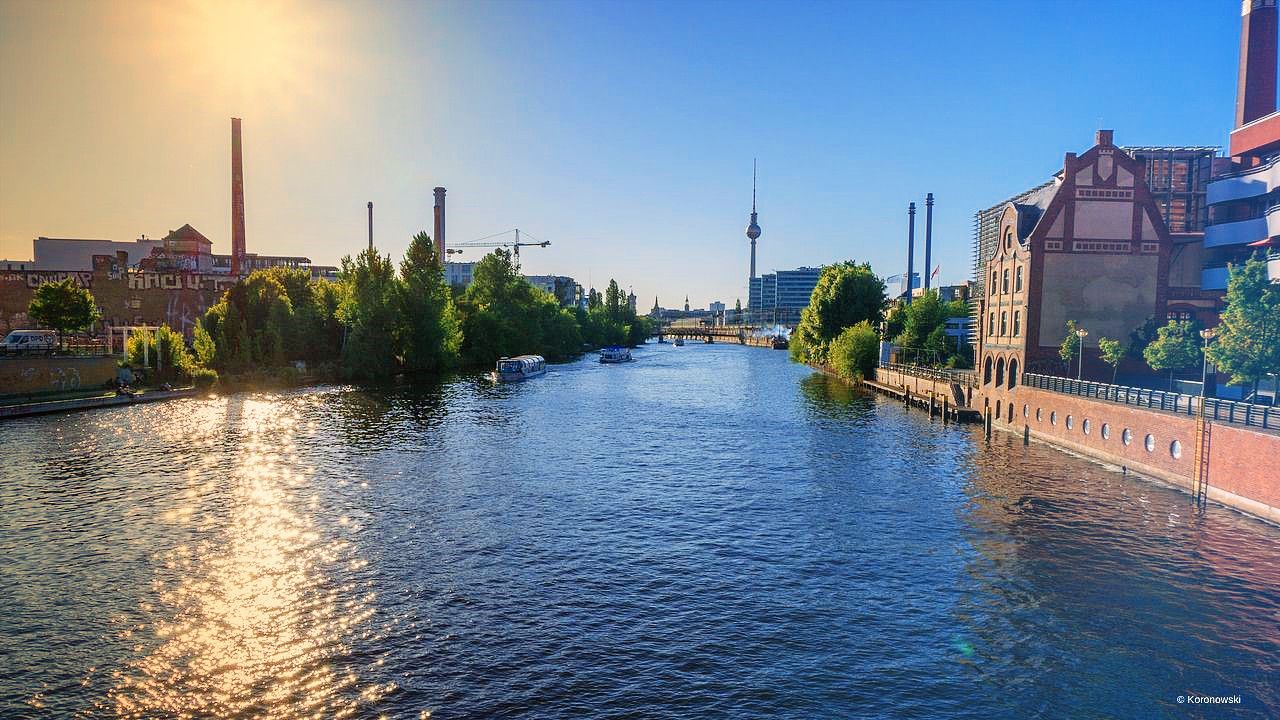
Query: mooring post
931	405
986	421
944	410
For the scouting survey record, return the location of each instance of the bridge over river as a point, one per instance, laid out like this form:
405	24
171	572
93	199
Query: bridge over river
775	336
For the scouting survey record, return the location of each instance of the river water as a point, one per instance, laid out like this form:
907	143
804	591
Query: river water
710	531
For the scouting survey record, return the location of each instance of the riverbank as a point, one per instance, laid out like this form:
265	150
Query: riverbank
89	403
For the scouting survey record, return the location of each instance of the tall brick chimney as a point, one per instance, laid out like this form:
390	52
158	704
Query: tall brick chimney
1256	89
440	224
237	202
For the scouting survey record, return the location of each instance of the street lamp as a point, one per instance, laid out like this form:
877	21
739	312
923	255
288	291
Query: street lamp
1208	334
1081	333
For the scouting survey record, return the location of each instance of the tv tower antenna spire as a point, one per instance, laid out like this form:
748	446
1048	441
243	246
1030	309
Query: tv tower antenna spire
753	229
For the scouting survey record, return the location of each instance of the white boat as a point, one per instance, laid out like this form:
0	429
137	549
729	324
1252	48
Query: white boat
679	342
519	368
615	354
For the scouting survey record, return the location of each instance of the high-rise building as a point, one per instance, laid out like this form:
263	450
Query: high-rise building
779	297
1244	200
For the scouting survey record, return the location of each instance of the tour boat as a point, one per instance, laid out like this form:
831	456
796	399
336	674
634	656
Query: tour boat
615	354
519	368
779	342
679	342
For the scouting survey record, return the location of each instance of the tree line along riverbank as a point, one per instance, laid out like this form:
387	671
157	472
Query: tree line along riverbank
280	326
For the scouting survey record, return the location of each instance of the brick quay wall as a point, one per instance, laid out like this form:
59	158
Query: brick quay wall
1160	445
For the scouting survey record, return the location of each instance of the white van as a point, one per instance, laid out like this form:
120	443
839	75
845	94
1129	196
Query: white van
22	342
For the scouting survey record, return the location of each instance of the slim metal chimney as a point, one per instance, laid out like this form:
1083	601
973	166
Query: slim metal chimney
237	202
1256	89
911	247
928	239
439	211
370	224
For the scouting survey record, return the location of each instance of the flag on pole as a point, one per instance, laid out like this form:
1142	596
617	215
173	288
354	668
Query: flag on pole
934	274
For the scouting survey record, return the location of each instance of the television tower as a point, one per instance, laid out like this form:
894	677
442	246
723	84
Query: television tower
753	230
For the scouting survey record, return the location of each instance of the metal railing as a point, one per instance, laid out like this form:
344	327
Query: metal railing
1263	416
963	377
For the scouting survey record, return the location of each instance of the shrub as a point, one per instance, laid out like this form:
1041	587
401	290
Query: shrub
853	353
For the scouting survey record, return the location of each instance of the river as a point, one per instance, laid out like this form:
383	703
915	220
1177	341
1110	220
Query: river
710	531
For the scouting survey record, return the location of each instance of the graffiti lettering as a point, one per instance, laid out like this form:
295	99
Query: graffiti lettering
36	279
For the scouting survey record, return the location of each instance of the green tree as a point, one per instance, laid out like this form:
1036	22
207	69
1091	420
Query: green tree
164	351
846	294
429	334
1112	352
854	352
369	311
614	301
1248	340
1177	346
63	306
206	350
1070	344
923	328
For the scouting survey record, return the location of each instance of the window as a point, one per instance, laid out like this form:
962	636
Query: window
1013	373
1004	283
1017	323
999	373
991	324
1037	414
1106	431
1127	436
1008	239
1070	422
1053	418
1017	280
1175	449
993	282
1149	442
1180	315
1085	426
1026	410
1004	323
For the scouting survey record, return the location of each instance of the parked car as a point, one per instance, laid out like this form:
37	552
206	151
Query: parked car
29	342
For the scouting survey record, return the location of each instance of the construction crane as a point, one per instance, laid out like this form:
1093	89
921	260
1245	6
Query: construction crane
484	243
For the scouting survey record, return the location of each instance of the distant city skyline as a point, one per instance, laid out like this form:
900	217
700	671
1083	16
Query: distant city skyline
629	150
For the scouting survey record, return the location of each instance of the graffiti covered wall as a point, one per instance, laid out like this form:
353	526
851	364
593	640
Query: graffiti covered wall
176	299
34	375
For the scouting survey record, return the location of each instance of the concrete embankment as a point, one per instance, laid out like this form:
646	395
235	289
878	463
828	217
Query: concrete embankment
57	406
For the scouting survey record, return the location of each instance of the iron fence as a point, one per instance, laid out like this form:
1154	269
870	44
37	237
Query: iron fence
1243	413
963	377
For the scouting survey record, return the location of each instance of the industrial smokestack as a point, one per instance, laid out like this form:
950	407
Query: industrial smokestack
1256	89
370	224
911	247
237	202
928	239
439	208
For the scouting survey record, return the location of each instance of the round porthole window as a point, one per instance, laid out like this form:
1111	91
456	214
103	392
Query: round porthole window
1106	431
1070	423
1150	443
1026	410
1053	418
1127	436
1175	449
1037	414
1085	426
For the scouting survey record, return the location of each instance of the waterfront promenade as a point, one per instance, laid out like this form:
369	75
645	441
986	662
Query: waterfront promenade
710	531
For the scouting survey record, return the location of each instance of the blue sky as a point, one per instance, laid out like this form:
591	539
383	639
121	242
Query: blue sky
622	132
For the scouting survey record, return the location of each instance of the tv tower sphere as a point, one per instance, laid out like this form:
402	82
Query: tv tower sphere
753	230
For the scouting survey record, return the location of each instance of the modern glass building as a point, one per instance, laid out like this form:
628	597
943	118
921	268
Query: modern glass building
1178	178
778	297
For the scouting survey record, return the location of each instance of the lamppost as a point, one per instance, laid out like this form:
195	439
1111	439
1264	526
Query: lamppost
1081	333
1208	334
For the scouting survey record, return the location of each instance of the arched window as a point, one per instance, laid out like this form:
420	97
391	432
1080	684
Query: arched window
1017	322
1008	239
1004	283
986	372
1013	373
1017	280
991	323
1004	323
1000	372
993	282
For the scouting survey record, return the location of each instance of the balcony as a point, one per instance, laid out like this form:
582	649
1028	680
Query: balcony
1240	232
1214	278
1247	183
